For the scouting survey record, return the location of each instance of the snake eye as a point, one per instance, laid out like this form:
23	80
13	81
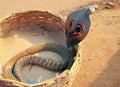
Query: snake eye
79	29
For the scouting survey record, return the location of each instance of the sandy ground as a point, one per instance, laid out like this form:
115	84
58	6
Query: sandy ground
101	48
101	52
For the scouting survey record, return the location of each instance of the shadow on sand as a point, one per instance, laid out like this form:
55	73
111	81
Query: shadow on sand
111	75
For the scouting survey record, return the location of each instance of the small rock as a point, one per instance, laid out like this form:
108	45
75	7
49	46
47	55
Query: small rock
109	5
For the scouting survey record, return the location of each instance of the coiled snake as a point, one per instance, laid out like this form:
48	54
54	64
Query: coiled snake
76	28
46	21
26	57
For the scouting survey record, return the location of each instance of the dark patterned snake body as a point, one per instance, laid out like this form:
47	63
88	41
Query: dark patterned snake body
45	22
26	57
76	28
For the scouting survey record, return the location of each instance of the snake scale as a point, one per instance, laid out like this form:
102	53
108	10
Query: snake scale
47	22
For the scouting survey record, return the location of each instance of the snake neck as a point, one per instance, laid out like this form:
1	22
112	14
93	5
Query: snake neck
72	46
73	51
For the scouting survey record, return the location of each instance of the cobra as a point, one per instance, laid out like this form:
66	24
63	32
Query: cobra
76	28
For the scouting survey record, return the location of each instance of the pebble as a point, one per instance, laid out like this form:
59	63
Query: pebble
109	5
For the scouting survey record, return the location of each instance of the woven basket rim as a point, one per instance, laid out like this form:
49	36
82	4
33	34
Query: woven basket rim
59	24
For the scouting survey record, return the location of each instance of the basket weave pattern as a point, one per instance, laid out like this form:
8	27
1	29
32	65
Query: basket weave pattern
46	21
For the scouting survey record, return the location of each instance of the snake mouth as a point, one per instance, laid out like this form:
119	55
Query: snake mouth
73	35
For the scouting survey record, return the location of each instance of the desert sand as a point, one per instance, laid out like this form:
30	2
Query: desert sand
101	48
101	52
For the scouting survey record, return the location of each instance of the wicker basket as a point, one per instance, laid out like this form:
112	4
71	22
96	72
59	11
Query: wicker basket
15	21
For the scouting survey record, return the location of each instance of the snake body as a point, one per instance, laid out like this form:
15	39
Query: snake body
45	21
76	27
26	57
37	60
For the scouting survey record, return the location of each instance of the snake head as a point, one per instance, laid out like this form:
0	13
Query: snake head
77	25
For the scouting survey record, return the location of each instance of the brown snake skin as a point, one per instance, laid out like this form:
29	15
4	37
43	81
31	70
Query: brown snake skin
37	60
28	59
46	22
